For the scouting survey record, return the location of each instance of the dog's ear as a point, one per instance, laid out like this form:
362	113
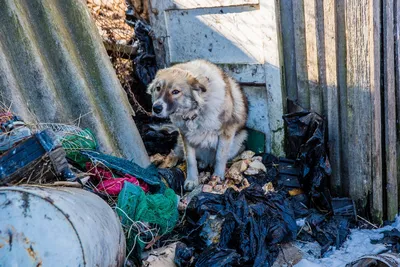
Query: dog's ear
199	87
196	85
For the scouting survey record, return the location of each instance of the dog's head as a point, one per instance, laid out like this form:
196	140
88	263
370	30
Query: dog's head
174	91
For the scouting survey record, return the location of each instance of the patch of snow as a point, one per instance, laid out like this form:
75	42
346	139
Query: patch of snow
357	244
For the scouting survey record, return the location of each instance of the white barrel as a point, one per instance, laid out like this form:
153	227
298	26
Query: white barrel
42	226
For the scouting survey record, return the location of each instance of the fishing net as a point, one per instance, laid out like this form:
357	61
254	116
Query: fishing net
73	139
145	216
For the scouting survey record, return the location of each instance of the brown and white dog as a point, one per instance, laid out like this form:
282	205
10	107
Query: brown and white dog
210	111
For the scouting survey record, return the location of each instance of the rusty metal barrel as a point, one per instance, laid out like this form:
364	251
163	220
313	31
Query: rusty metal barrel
42	226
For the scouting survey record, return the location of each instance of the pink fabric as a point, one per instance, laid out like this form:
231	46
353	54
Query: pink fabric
110	184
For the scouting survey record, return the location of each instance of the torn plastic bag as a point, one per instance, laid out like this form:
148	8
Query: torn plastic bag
145	61
218	257
254	223
306	138
183	255
175	178
327	232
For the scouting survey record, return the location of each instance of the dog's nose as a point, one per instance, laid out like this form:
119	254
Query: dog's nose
157	109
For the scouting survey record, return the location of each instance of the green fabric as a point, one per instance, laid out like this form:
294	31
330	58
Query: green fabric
160	210
73	144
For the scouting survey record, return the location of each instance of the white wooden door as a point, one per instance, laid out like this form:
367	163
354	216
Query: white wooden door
242	37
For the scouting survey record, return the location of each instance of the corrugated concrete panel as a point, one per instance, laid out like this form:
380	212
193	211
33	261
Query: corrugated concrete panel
54	68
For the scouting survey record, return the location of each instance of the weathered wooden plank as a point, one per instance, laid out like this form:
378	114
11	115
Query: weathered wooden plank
312	55
160	41
273	76
358	131
289	57
330	87
342	91
377	175
397	81
389	111
301	54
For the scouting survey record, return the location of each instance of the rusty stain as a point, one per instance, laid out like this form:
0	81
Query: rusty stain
1	245
39	264
31	252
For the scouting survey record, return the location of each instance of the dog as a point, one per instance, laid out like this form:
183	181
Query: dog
210	111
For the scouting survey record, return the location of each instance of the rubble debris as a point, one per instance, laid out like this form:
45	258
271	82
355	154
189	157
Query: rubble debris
310	250
211	230
161	257
145	216
254	223
289	255
344	207
171	160
157	159
268	187
12	131
35	160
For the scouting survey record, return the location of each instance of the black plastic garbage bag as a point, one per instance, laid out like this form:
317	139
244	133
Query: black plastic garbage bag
306	138
145	61
327	231
175	178
218	257
254	224
183	255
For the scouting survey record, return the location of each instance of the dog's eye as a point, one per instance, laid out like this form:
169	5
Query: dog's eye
158	88
175	92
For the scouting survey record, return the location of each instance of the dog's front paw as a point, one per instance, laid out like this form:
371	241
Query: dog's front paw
220	175
190	184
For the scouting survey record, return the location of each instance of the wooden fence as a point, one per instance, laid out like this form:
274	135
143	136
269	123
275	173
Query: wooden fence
341	59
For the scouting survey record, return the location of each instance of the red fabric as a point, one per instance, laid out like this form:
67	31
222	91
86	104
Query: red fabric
110	184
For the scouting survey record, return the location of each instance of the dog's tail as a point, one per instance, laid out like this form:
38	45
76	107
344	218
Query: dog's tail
237	145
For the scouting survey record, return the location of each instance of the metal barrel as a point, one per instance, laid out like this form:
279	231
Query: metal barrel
43	226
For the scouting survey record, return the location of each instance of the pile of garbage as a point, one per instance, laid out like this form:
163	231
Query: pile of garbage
266	208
